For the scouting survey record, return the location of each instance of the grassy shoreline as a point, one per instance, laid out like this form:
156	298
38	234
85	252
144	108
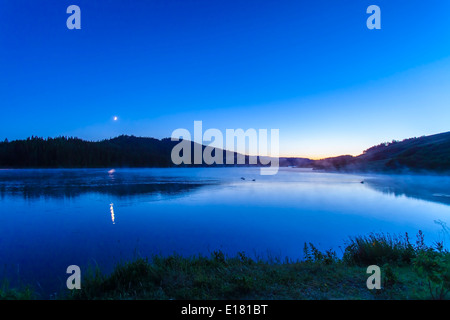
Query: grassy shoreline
408	271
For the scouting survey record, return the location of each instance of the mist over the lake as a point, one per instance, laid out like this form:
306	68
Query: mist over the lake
52	213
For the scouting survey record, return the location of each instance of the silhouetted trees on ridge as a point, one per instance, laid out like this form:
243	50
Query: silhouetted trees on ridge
69	152
415	154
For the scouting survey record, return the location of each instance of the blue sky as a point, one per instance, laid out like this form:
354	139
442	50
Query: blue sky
311	69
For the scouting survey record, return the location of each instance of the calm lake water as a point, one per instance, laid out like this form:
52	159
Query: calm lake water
50	219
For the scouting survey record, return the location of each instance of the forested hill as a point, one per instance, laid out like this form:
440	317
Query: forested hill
62	152
123	151
427	153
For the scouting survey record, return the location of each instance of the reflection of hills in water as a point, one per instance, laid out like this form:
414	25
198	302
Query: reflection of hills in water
429	188
70	184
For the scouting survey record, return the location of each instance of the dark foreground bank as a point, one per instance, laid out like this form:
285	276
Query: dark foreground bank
409	270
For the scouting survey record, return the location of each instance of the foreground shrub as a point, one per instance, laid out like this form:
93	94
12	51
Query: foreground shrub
434	265
378	249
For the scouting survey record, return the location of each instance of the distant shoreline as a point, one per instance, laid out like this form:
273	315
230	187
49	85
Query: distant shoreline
423	155
304	169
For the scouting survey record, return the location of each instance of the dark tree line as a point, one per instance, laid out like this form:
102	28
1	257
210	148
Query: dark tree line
68	152
424	153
